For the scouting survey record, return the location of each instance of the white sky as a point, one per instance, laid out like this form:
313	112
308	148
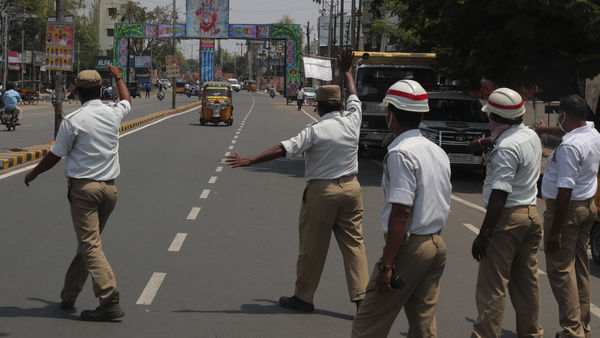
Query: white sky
252	12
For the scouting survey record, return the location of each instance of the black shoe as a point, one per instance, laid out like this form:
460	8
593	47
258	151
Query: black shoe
108	311
66	305
296	303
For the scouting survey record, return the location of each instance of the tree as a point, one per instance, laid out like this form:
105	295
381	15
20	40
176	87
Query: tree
552	44
286	20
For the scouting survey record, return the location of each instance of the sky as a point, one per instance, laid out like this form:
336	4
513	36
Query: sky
251	12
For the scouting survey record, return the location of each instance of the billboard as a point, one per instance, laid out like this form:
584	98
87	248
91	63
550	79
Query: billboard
237	31
101	62
172	64
163	31
143	61
207	19
59	46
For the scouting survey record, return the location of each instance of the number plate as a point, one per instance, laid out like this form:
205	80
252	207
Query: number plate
464	158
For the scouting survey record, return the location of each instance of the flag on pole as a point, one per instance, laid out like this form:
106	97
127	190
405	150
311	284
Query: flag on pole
317	68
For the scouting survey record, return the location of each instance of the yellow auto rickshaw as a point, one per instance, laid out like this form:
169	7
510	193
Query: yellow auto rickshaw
251	85
217	105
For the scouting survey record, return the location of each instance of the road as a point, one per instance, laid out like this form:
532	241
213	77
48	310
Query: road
37	120
201	250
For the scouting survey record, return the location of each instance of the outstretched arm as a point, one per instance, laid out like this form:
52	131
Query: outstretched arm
345	64
272	153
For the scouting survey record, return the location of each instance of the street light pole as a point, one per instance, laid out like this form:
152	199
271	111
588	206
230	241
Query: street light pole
22	53
58	86
5	50
174	86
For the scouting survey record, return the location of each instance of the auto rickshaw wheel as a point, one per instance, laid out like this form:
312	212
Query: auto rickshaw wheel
202	122
230	122
595	242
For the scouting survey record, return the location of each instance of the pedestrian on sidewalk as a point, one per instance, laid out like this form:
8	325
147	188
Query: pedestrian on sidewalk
508	241
569	185
332	199
147	86
416	201
89	139
300	97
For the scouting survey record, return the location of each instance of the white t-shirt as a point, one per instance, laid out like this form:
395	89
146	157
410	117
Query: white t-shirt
89	139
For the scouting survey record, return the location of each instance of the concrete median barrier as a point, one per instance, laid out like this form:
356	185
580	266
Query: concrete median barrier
17	156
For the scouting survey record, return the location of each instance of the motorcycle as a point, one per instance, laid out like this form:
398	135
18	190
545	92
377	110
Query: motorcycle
8	117
272	94
160	95
188	92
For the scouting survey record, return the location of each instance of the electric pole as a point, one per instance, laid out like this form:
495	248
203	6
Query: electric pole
358	25
5	50
329	33
341	41
307	37
174	86
58	86
353	24
22	53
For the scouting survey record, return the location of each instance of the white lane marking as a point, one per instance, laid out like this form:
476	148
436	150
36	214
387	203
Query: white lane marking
219	169
177	242
476	231
595	310
193	213
230	147
18	171
159	121
233	141
227	153
204	194
469	204
237	132
307	114
212	180
251	107
235	137
151	288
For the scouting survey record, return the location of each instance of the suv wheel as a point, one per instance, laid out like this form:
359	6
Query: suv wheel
595	242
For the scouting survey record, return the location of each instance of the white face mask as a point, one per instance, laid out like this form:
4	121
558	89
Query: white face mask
561	121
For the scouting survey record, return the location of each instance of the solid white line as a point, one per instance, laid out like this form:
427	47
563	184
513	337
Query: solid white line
151	288
230	147
469	204
307	114
251	107
18	171
212	180
194	213
177	242
227	153
233	141
219	169
204	194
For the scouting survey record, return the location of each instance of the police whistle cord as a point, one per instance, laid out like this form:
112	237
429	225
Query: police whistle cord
395	283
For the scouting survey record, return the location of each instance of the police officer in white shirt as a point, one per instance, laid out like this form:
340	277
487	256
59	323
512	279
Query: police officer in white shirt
416	201
508	241
332	199
569	184
89	139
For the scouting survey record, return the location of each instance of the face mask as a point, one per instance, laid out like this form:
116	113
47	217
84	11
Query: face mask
561	121
497	129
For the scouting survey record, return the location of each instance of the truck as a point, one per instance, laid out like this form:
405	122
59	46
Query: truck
374	73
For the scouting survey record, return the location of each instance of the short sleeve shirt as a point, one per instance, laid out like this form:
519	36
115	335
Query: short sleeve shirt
11	97
514	166
89	139
417	174
574	165
330	145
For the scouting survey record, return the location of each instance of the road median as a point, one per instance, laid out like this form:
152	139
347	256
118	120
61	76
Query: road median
16	156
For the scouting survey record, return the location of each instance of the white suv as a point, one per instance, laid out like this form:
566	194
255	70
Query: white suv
234	84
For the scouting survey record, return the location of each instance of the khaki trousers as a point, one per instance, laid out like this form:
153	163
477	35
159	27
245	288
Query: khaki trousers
510	263
91	204
331	206
420	263
568	269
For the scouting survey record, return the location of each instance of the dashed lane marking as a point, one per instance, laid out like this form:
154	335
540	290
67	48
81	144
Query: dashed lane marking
194	213
235	137
233	141
205	193
230	147
469	204
212	180
219	169
237	132
227	153
151	288
177	242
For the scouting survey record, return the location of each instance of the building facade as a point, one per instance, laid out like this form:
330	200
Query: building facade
105	17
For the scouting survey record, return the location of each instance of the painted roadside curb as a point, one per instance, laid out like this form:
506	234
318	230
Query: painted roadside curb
27	154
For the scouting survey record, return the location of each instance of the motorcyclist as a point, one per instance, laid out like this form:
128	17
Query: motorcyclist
11	100
187	88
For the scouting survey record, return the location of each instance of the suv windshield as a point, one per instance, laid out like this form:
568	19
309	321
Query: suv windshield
216	92
372	83
309	90
233	81
455	110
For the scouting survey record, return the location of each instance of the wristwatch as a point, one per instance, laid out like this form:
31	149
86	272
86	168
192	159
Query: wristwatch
385	267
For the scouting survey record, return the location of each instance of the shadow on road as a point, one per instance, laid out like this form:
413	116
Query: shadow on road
50	310
293	167
271	308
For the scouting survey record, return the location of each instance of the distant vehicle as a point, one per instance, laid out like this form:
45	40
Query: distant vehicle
217	105
234	84
133	90
310	95
250	85
180	88
453	121
165	83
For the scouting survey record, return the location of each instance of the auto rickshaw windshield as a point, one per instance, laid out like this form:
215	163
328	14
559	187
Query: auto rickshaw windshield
216	92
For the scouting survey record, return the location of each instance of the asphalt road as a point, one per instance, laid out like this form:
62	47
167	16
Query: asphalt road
217	245
37	120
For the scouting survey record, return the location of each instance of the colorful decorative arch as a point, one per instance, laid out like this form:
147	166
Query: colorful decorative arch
290	33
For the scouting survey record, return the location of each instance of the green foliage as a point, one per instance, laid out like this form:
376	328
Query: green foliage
512	42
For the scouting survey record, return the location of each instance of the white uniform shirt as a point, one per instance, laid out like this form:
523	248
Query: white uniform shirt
330	145
513	166
300	94
417	174
89	138
574	165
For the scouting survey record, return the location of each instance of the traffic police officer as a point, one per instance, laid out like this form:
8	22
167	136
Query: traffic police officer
416	201
569	184
332	199
89	139
508	241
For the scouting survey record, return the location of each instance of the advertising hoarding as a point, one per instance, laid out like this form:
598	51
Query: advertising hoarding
207	19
